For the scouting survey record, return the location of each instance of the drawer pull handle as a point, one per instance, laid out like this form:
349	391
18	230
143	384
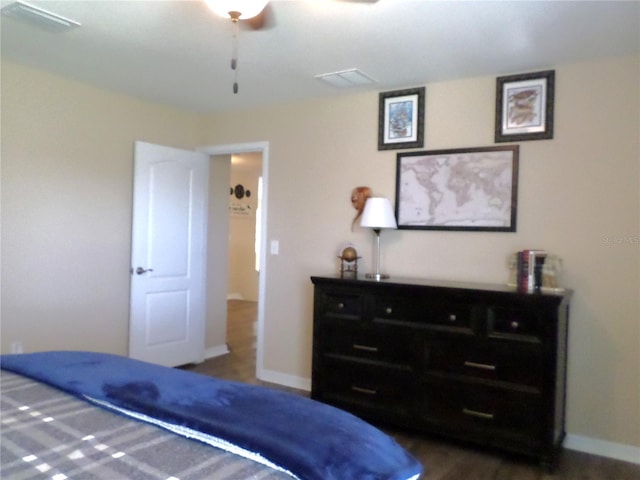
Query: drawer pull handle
514	325
481	366
452	318
477	414
366	391
388	310
366	348
340	306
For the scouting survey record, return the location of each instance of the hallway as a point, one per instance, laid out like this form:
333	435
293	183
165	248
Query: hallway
240	363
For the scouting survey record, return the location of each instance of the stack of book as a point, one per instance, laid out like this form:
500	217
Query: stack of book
529	273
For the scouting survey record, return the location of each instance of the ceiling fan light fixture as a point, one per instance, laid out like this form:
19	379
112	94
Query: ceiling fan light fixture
236	9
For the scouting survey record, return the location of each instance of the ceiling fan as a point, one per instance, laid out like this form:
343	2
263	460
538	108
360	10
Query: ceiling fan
253	14
256	14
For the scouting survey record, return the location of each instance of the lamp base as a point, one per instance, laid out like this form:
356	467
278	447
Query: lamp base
377	276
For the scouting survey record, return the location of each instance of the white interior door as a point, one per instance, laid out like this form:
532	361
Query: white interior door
168	257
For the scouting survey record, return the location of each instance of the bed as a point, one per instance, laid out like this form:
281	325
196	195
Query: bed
86	415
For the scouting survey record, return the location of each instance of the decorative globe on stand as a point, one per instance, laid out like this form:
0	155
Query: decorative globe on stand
349	261
349	254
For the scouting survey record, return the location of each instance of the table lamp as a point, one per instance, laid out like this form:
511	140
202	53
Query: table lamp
378	215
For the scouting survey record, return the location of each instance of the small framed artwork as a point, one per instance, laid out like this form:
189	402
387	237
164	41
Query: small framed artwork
401	119
458	189
524	107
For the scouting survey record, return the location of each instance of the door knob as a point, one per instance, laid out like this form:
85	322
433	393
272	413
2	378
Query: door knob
141	270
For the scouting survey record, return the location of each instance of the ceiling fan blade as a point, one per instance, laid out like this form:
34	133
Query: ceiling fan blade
265	20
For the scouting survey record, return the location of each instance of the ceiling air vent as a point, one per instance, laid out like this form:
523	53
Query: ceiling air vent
38	17
346	78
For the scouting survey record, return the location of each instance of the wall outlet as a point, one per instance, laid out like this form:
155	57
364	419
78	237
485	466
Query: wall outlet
16	347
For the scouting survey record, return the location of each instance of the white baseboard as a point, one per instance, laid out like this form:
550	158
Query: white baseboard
604	448
291	381
216	351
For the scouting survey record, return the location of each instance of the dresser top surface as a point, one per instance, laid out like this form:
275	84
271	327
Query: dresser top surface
427	282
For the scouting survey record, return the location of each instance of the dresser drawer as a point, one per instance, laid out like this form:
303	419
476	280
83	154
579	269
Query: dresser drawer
368	390
448	315
516	323
486	413
520	364
374	344
340	304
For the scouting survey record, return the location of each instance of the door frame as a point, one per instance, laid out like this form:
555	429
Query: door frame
263	148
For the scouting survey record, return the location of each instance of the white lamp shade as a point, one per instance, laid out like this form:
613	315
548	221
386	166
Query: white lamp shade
378	213
247	8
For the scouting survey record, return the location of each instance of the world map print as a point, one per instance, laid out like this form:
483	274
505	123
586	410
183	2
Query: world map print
457	190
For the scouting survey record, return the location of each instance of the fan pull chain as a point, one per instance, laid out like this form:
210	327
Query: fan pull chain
234	55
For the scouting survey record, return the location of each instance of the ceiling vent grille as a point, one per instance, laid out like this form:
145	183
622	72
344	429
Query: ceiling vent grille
38	17
346	78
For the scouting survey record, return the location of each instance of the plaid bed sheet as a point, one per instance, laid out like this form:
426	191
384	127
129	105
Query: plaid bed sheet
48	434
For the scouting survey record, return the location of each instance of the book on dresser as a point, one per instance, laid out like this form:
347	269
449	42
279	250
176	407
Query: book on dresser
529	270
476	362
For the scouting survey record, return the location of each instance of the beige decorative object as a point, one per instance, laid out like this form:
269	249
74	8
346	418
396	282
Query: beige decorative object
552	266
359	197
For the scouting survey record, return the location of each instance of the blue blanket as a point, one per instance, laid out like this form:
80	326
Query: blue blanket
309	439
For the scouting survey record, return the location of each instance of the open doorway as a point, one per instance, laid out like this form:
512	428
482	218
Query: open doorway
245	229
244	259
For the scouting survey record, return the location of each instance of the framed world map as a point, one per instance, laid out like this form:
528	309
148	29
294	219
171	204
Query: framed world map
458	189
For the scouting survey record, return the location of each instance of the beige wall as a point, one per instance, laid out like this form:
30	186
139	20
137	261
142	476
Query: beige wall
66	194
579	197
217	260
67	153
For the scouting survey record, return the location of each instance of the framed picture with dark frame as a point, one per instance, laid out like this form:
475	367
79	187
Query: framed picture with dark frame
472	189
401	119
524	107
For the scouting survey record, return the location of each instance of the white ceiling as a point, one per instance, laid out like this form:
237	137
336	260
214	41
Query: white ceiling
178	52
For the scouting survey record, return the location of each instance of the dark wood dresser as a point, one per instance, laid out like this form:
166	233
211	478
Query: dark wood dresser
475	362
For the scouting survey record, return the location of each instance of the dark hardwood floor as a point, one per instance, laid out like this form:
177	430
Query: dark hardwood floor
443	459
